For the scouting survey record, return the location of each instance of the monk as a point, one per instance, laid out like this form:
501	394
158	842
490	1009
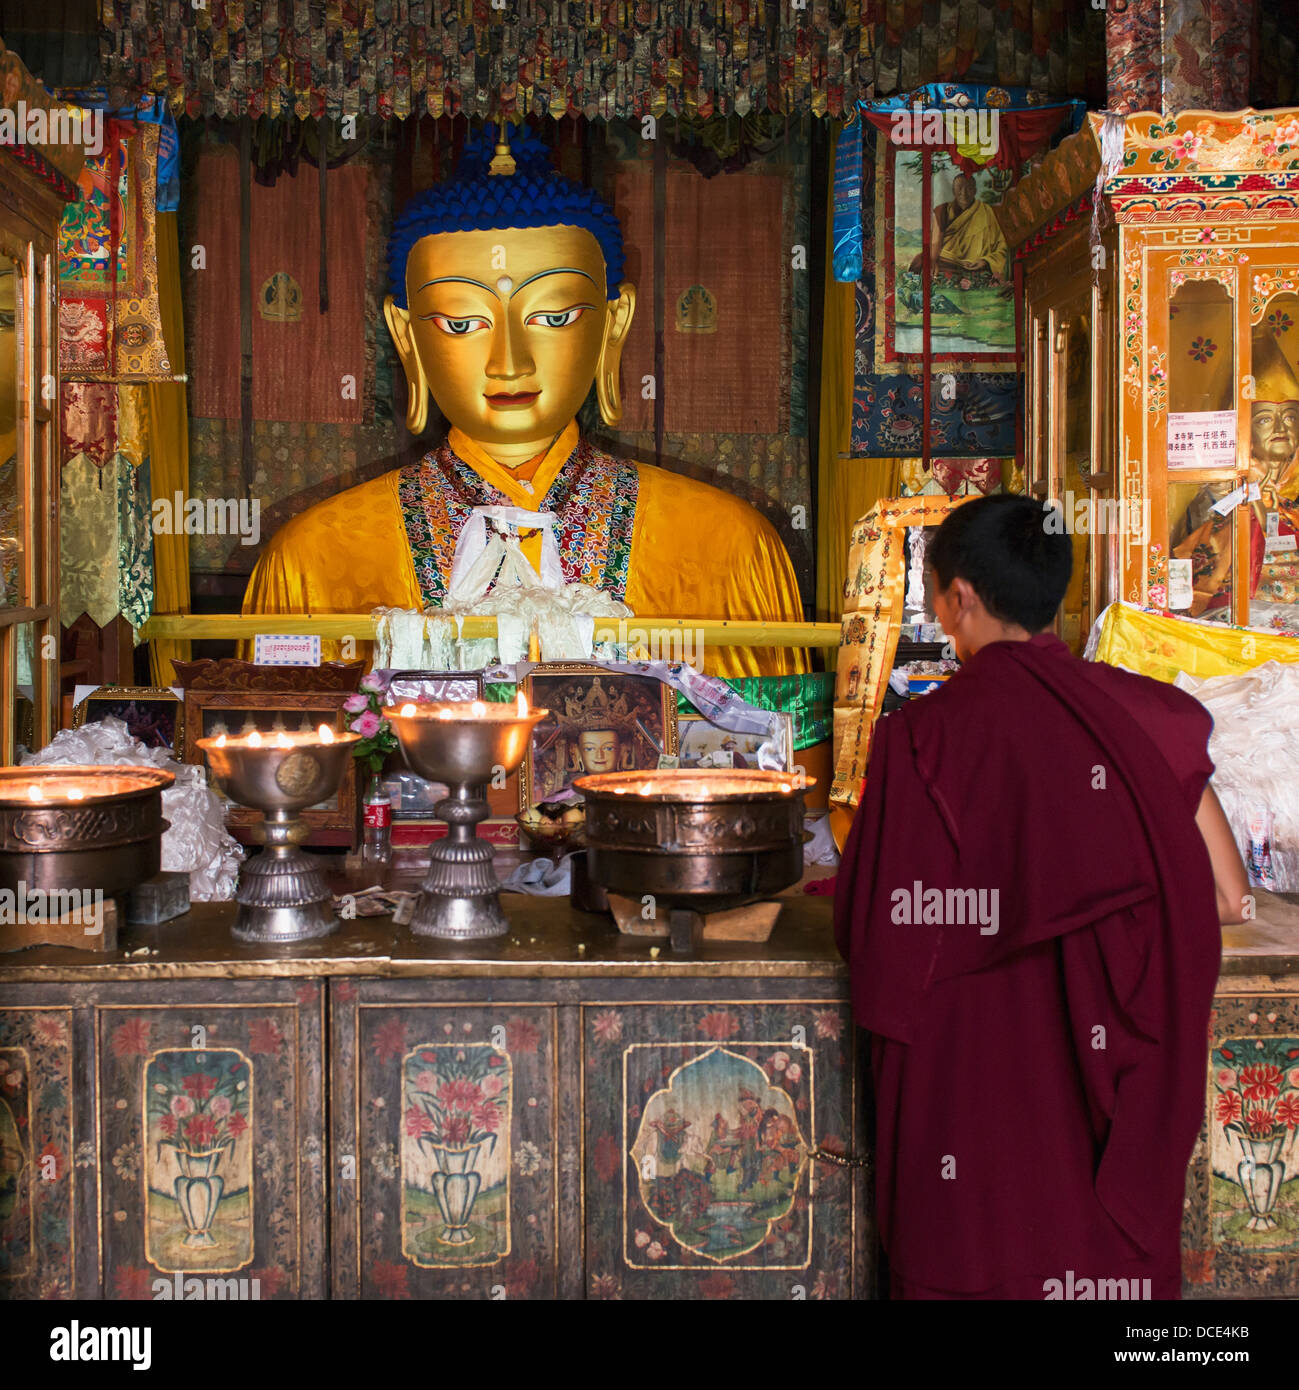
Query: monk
1029	903
508	304
965	235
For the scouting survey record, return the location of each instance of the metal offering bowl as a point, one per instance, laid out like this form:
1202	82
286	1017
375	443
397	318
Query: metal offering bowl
272	778
282	893
698	840
69	827
463	745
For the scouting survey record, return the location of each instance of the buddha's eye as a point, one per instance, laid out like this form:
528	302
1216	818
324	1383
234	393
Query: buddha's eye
559	320
457	327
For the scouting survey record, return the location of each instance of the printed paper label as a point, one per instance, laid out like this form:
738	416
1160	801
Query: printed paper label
276	650
1202	439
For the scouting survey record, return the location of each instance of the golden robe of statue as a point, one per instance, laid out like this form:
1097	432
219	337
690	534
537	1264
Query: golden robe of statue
507	326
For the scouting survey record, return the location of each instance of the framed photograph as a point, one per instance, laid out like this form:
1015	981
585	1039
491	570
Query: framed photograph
153	714
599	721
709	745
212	712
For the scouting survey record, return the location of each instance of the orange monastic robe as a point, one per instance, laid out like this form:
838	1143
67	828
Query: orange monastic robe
668	545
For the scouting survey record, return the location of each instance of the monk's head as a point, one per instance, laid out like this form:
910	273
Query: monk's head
508	299
962	191
997	571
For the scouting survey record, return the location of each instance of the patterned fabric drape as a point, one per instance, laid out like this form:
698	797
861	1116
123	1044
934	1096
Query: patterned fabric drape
1182	55
600	59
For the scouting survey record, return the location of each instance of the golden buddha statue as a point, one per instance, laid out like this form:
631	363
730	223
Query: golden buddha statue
508	301
1205	537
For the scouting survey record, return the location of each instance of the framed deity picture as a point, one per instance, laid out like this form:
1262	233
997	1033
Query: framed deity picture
152	714
709	745
599	721
212	712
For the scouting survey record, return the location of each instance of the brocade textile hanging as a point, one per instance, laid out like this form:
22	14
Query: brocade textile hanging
604	59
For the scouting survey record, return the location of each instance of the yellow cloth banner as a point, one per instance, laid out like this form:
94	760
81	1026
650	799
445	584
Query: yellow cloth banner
168	413
1155	645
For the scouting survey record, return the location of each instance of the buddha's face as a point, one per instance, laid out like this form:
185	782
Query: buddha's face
1274	431
599	750
509	328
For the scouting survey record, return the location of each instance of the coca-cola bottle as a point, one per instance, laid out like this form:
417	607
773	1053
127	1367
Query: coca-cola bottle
376	848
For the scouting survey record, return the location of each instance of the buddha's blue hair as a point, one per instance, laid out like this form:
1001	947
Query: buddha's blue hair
472	200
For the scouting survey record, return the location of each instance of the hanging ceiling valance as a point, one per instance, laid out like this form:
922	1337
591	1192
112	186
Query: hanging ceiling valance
309	58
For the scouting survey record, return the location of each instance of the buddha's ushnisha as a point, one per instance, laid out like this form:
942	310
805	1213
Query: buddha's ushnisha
508	301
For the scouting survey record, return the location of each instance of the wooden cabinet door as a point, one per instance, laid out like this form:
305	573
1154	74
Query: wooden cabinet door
445	1173
698	1180
39	1152
209	1131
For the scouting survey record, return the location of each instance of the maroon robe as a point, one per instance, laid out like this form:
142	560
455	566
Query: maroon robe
1039	1086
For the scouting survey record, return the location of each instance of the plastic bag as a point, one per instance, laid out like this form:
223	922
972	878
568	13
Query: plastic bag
196	842
1254	715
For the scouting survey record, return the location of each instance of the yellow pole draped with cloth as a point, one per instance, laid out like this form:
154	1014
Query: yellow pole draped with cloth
169	456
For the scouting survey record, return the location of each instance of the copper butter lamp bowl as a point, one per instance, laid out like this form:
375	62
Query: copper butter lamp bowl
70	827
282	892
464	745
698	840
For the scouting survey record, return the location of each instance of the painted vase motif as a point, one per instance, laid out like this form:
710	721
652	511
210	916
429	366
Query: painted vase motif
198	1191
198	1159
1261	1173
455	1185
456	1154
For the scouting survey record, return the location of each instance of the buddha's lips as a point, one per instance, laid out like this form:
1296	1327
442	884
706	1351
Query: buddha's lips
507	398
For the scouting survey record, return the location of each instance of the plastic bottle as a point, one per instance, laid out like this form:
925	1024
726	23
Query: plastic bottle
376	847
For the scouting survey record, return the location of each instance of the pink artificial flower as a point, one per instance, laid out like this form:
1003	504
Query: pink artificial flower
367	725
354	704
376	681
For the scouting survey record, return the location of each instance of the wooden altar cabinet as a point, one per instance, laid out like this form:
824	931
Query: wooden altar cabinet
1147	339
583	1084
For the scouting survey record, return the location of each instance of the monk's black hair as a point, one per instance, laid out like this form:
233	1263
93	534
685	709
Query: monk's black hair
1008	549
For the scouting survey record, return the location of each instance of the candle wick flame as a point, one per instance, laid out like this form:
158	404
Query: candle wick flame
326	733
478	709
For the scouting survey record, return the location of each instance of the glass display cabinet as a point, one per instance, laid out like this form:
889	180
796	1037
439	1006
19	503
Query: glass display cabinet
30	208
1193	294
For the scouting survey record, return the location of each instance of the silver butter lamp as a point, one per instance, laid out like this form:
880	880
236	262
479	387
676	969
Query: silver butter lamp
462	745
282	892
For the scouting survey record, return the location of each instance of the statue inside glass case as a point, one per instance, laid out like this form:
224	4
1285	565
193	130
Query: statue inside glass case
1204	534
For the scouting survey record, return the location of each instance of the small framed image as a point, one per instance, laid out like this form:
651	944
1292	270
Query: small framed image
152	714
709	745
436	687
599	721
212	712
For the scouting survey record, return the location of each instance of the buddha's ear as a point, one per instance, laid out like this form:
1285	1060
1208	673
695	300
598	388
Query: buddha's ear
616	327
398	321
